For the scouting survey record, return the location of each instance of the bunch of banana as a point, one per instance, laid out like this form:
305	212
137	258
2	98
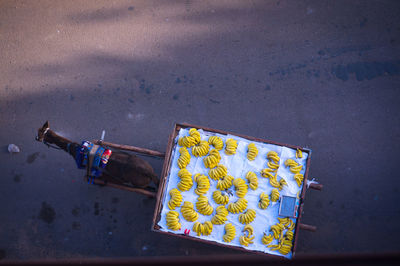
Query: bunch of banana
240	187
263	203
231	146
252	151
216	142
287	223
284	246
221	215
247	217
274	195
230	233
212	159
203	184
225	182
277	230
188	212
176	199
220	197
191	140
295	168
247	238
172	218
267	173
299	154
184	158
186	182
203	206
237	207
252	179
201	149
272	155
218	172
272	165
203	229
266	239
299	179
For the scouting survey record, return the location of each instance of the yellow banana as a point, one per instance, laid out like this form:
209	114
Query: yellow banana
218	172
220	197
240	187
186	182
172	218
225	182
203	184
239	206
299	154
176	199
247	238
212	159
203	229
203	206
252	179
230	233
231	146
274	195
184	158
201	149
216	142
188	212
252	151
221	215
264	201
266	239
247	217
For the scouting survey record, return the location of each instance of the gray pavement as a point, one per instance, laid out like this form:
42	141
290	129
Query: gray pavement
320	74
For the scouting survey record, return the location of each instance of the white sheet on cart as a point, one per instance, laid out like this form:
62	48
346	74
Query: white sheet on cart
238	166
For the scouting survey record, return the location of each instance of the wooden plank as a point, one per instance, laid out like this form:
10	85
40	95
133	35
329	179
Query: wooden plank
131	189
167	165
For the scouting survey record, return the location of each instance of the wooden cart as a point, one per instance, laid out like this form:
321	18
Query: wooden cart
166	169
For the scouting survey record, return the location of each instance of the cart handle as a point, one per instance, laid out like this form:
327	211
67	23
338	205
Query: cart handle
308	227
130	148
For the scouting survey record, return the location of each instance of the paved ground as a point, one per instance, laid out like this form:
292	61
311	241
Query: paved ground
321	74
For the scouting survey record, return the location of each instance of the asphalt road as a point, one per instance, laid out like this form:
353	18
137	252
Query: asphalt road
319	74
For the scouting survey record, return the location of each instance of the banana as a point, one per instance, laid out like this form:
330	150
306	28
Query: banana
230	233
252	179
264	201
273	165
201	149
221	215
247	238
240	187
239	206
231	146
203	184
299	154
274	195
252	152
299	179
225	182
212	159
220	197
247	217
266	239
272	155
184	158
216	142
172	218
188	212
186	182
282	183
176	199
218	172
191	140
277	230
203	229
203	206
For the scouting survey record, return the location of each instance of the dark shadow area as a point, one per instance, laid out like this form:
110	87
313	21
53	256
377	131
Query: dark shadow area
262	69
